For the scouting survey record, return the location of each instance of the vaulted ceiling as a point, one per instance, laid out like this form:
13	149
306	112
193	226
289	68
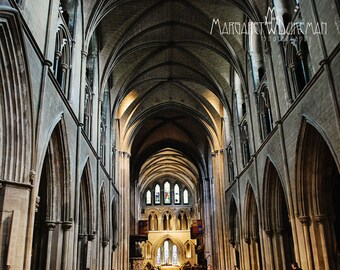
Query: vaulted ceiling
170	75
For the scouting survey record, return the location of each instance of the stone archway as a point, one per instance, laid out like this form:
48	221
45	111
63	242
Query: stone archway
318	193
52	214
252	231
16	140
279	243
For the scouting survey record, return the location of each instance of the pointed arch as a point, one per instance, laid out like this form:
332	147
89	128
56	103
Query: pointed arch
276	221
158	244
234	233
86	225
52	201
252	229
318	192
16	132
86	219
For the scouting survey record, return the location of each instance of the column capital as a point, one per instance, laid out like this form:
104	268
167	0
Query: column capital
32	177
124	154
269	232
320	218
105	242
50	224
304	220
67	225
247	240
84	53
91	236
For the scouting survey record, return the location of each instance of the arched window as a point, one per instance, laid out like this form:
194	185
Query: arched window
185	197
256	55
245	143
159	256
88	104
230	160
148	197
167	195
297	60
240	103
62	58
166	252
265	114
174	254
177	195
157	194
103	124
67	10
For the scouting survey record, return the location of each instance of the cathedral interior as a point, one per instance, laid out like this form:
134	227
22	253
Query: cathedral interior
169	134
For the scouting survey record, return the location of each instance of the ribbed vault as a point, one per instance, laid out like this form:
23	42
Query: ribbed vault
169	75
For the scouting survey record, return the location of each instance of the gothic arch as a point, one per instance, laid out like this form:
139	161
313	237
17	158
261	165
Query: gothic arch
276	220
86	225
318	192
180	246
16	133
86	195
234	233
52	203
252	229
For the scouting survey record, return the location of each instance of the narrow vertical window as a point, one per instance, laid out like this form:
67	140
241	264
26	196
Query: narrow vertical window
167	196
245	143
166	252
159	256
185	197
177	195
174	254
157	194
148	197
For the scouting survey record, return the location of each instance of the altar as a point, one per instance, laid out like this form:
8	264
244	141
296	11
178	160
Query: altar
170	267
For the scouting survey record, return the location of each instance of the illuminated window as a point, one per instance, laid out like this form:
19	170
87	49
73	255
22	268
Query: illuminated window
177	197
157	194
148	197
167	196
174	254
159	256
185	197
166	252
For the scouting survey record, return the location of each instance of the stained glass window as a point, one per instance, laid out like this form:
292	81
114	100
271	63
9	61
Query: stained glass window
148	197
159	256
166	252
185	197
157	194
177	196
167	196
174	254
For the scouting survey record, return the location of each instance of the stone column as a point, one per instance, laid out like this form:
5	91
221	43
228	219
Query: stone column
105	258
90	239
124	208
271	261
50	227
67	225
305	224
280	233
152	225
167	222
257	253
160	225
219	206
320	219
